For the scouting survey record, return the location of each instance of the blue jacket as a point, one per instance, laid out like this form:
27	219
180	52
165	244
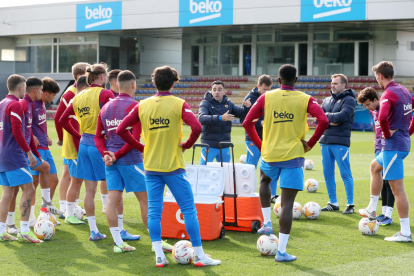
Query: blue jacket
253	96
209	114
339	109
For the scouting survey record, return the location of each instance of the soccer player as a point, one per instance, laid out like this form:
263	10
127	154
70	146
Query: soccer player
112	77
369	98
394	118
34	88
283	148
124	166
335	142
14	157
264	84
91	167
69	152
39	128
216	115
162	119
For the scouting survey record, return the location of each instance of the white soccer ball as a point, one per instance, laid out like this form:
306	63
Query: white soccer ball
44	230
243	158
309	165
368	227
311	185
277	208
78	212
297	210
311	210
267	245
47	216
183	252
278	199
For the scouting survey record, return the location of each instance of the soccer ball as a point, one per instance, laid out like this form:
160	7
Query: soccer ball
297	210
45	215
368	227
44	230
267	245
277	209
78	212
278	199
183	252
243	158
311	210
309	165
311	185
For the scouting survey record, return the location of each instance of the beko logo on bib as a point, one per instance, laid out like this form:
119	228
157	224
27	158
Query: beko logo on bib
332	10
84	111
99	16
205	12
160	122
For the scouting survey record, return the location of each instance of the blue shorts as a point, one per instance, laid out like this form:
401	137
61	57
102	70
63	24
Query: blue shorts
46	156
290	178
37	160
65	161
128	177
214	153
90	164
16	178
392	164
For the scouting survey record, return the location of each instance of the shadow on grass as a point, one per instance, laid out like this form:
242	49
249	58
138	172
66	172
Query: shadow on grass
308	270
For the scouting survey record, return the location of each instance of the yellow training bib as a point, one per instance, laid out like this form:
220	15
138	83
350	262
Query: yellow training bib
162	131
285	124
86	107
68	147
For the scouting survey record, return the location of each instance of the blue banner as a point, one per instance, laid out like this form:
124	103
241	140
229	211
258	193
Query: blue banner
205	13
99	16
332	10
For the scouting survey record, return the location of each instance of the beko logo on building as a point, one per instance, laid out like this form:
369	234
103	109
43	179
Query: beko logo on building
99	16
332	10
205	12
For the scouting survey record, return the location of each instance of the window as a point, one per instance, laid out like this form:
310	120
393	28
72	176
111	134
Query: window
71	39
350	36
229	60
33	59
7	55
237	39
410	45
321	36
291	37
40	41
271	57
211	60
333	58
70	54
264	38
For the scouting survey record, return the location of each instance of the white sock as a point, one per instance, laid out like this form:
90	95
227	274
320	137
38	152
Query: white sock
373	204
158	249
266	214
2	228
199	252
116	235
121	222
384	210
62	204
10	218
104	198
32	213
405	226
92	224
283	240
389	212
70	208
24	226
335	204
46	194
77	201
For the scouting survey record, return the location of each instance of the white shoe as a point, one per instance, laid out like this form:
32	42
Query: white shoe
367	214
12	229
58	222
206	261
161	262
399	238
52	209
103	210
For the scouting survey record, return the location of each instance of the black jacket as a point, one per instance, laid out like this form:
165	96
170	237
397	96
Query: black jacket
253	96
216	131
339	109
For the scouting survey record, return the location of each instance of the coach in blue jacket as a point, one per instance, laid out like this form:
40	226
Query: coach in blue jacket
335	142
264	84
216	114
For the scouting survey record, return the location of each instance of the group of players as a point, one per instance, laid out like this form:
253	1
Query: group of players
93	125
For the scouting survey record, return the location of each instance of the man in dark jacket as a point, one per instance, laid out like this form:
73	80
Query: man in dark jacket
335	142
216	114
264	84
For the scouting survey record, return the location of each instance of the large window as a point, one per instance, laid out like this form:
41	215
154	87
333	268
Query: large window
333	58
70	54
229	60
33	59
211	60
271	57
120	52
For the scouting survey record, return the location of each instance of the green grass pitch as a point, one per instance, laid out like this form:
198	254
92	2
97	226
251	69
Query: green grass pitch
330	245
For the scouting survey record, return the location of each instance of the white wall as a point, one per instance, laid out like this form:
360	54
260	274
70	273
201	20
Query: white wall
404	64
385	46
158	52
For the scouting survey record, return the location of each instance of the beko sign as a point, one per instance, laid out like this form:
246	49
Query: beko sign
332	10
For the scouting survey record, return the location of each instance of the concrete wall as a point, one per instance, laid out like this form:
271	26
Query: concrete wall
385	47
404	64
158	52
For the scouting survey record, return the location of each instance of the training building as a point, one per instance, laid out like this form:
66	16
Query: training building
207	37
